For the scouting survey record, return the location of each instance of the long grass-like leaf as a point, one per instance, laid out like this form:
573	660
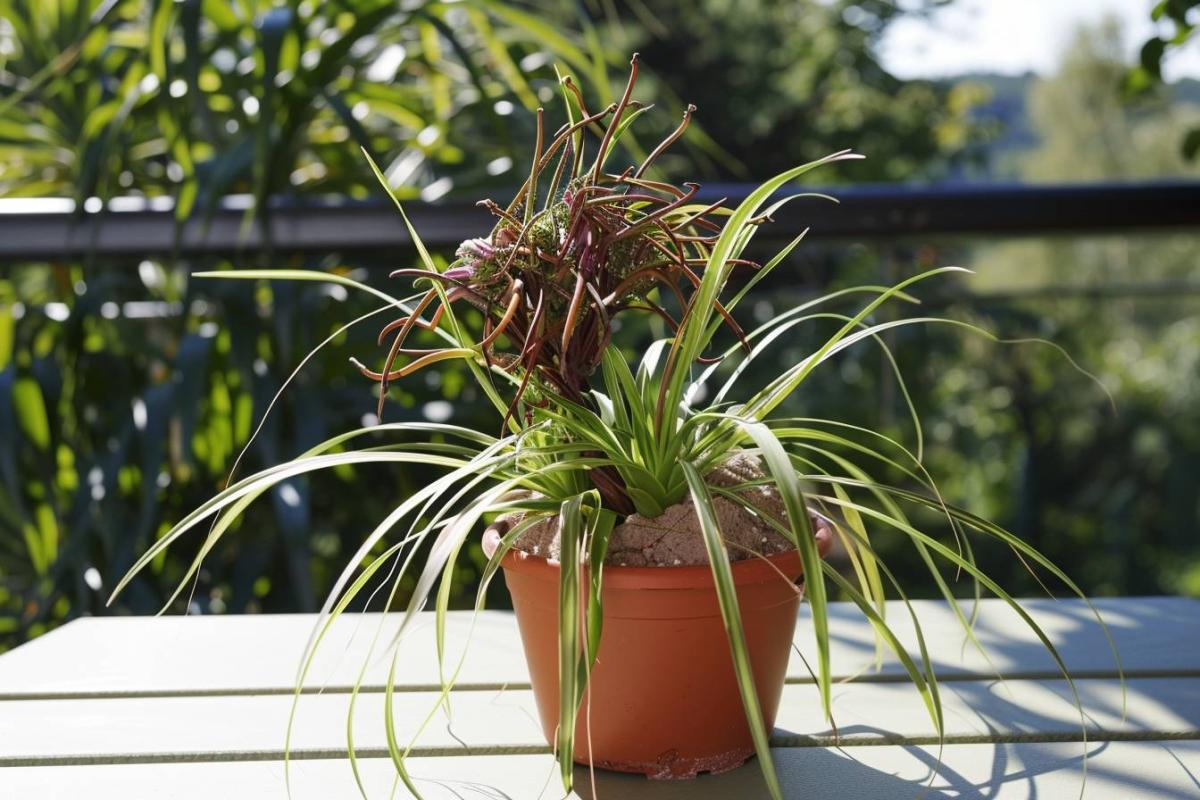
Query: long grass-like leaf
570	522
731	616
693	337
779	467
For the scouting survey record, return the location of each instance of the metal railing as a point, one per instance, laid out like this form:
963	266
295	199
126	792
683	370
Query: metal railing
48	229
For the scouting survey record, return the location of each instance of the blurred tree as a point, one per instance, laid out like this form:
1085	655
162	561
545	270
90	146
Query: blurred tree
202	99
1112	484
782	83
1176	21
1089	130
1011	430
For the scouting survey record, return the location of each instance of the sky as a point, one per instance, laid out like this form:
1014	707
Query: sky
1015	36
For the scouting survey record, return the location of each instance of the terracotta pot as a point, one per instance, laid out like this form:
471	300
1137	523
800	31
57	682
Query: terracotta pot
664	700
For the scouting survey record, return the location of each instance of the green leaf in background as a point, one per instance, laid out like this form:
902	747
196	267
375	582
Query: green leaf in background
8	326
30	409
1191	144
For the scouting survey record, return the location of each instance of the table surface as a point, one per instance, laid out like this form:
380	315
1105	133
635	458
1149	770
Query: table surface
196	707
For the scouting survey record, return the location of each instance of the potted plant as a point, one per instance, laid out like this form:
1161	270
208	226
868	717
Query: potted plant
652	540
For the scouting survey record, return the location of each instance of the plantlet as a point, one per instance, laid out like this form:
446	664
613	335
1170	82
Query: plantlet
589	439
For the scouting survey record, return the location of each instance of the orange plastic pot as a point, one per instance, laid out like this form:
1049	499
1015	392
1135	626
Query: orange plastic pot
663	699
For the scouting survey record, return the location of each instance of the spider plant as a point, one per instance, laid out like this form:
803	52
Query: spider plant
589	438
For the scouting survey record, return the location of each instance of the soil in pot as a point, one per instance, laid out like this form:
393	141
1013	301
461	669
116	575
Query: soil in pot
663	699
673	539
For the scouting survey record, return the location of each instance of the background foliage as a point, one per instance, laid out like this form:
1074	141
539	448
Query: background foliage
126	388
780	84
1176	23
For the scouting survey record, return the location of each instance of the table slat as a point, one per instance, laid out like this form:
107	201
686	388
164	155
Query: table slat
259	654
1150	770
79	731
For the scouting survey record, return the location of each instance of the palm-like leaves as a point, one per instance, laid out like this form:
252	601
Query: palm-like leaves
203	99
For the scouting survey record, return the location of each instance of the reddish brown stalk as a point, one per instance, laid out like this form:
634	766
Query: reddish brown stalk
516	250
658	186
535	170
670	140
612	126
653	308
612	489
679	256
615	198
557	143
494	207
414	272
654	217
404	322
408	322
520	393
609	197
430	357
552	189
733	325
653	273
740	262
573	312
603	320
699	217
514	303
588	120
570	84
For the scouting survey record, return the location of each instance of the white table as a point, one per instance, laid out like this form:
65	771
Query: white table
196	707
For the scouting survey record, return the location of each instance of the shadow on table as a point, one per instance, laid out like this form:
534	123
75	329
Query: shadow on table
1133	622
874	773
1151	633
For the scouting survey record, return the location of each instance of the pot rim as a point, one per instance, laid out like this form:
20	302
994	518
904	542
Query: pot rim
690	576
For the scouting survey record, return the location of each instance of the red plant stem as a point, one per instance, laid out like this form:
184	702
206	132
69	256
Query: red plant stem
657	215
665	143
653	273
494	207
552	189
535	170
513	302
557	143
646	183
612	125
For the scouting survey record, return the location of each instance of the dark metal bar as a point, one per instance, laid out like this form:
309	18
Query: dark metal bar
30	230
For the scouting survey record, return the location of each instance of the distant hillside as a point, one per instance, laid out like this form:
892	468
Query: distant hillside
1006	113
1186	91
